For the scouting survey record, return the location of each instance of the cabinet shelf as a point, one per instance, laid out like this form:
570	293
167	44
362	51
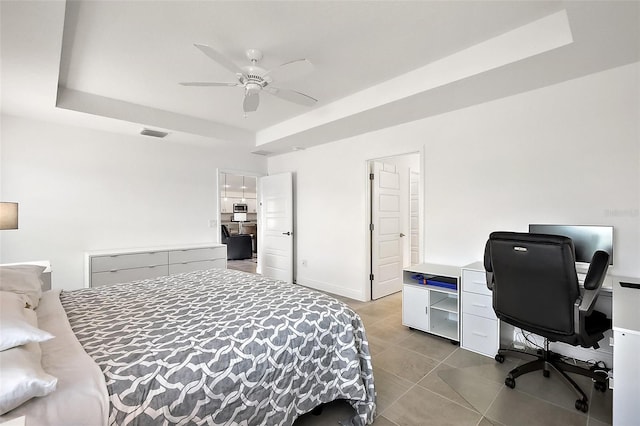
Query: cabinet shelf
446	328
447	304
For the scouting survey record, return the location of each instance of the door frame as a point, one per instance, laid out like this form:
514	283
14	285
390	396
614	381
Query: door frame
239	172
368	212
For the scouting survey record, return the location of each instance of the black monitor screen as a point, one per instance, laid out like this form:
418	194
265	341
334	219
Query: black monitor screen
586	239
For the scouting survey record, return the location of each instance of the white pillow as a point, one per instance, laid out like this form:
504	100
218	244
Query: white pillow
23	279
22	376
18	325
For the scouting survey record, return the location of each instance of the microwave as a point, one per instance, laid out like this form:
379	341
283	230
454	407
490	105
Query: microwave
240	208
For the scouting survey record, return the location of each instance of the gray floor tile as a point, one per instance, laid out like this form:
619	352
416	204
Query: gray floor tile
420	407
389	388
406	364
514	408
429	345
383	421
392	334
601	406
475	392
434	383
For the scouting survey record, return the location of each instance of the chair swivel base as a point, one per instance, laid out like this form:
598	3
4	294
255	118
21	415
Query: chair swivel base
547	361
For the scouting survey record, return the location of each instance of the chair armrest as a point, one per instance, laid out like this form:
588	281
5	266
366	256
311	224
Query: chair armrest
597	270
592	285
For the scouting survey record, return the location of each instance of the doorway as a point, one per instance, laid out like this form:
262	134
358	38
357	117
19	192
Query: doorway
395	212
239	219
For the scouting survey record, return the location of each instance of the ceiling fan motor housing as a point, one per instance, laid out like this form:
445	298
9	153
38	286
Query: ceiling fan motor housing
252	87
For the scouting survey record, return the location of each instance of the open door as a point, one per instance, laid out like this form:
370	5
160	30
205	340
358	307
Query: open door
386	247
275	240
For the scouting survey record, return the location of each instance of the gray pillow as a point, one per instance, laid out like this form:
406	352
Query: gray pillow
23	279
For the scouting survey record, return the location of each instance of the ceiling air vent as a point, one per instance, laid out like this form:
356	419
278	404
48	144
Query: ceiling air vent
153	133
265	153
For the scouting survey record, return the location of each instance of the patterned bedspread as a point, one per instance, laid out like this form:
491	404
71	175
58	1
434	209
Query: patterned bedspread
222	347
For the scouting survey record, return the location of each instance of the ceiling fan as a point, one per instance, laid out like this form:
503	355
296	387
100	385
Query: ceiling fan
254	79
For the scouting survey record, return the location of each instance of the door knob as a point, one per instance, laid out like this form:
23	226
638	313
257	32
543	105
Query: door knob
401	234
286	233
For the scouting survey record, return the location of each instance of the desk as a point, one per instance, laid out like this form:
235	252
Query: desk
626	350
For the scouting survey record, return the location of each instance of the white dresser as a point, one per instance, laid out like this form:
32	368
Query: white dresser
480	326
122	265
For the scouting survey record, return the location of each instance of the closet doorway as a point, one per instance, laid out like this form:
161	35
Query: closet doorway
395	213
239	219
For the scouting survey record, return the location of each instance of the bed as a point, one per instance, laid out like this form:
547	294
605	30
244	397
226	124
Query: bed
214	347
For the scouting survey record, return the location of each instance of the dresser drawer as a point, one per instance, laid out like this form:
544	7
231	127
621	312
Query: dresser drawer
126	261
194	255
478	304
180	268
474	282
125	275
480	334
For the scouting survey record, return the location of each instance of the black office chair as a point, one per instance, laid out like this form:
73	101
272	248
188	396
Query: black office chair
535	287
239	246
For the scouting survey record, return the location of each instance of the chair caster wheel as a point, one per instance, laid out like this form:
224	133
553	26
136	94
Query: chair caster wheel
499	358
582	405
545	373
600	386
510	382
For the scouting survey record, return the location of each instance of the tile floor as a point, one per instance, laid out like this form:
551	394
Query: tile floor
424	380
246	265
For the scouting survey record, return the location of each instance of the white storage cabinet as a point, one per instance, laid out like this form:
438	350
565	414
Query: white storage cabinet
431	308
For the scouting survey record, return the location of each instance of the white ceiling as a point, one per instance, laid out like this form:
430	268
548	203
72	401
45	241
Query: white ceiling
116	65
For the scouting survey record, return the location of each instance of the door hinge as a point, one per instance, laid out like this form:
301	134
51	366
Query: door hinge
371	227
370	277
371	176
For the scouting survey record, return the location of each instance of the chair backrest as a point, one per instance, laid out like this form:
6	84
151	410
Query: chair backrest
535	285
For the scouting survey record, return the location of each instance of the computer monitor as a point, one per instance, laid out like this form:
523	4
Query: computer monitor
586	238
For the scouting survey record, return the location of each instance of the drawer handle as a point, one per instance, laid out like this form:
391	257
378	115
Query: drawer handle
478	305
114	270
479	334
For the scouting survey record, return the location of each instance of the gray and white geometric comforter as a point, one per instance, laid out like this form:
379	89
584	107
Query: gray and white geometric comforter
222	347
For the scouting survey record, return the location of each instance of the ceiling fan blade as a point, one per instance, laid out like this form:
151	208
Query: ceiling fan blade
291	70
251	102
204	83
219	58
292	96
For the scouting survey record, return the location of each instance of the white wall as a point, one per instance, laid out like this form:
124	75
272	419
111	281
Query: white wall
83	190
568	153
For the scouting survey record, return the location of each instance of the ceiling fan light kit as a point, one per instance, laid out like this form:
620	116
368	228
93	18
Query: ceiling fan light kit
254	78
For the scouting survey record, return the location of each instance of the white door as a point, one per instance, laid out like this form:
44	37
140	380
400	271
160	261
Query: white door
386	246
414	213
275	237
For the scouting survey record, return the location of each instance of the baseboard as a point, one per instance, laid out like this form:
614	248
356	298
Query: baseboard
331	288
